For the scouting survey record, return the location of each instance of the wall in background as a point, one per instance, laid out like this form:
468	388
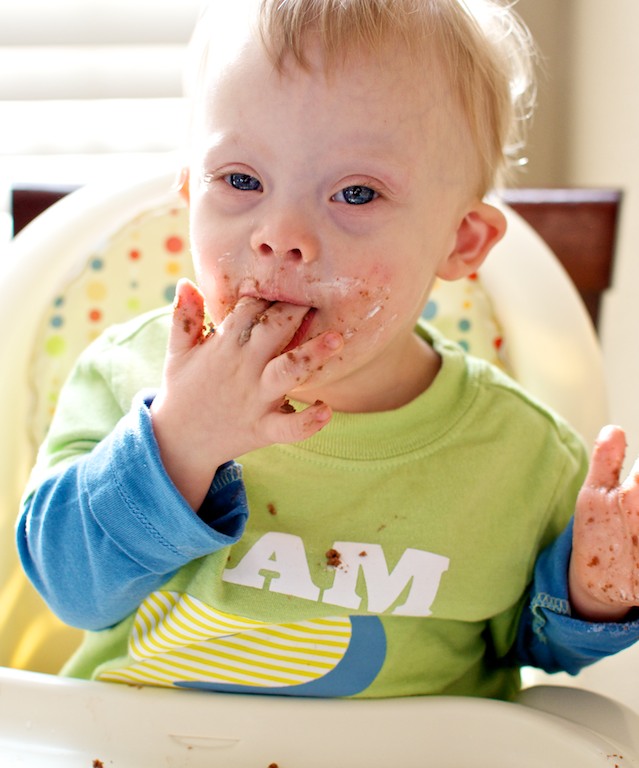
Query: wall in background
585	134
550	22
604	131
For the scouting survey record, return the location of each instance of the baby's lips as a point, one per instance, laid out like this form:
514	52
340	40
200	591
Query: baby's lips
256	301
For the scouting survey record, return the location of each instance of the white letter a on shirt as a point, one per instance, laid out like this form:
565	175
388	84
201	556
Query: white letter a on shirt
279	553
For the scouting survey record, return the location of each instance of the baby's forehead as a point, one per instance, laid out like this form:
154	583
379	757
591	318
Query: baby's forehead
390	74
363	110
444	42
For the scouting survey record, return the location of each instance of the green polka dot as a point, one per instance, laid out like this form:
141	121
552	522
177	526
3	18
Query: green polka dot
55	346
133	304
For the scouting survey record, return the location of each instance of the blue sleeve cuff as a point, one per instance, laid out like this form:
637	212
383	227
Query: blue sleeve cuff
141	510
549	636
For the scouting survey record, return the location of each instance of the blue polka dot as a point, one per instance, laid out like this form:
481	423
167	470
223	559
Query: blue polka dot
58	301
464	345
430	310
169	293
57	321
96	264
465	325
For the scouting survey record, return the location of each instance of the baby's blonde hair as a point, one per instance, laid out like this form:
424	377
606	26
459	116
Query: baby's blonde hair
485	50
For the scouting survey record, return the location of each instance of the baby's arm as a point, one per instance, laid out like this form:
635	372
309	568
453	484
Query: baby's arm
109	525
223	394
604	566
96	536
585	582
550	636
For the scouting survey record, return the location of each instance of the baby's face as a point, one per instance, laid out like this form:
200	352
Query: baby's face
340	193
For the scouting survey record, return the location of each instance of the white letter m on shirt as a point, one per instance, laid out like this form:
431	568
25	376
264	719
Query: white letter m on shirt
416	570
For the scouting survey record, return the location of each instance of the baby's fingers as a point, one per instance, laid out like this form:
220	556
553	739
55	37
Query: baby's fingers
287	426
630	490
607	459
291	369
188	317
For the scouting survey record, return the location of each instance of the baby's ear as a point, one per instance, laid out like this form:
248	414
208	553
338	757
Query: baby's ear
482	227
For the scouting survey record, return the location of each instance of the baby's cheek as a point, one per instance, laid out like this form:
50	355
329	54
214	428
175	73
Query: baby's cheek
365	308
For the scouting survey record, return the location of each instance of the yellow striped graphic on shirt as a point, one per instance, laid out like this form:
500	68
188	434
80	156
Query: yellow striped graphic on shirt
178	638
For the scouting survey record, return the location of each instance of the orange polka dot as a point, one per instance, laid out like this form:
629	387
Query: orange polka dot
95	315
174	244
134	255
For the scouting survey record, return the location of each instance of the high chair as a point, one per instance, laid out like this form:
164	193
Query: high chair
108	252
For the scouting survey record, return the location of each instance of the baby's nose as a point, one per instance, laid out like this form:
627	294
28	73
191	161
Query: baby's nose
289	238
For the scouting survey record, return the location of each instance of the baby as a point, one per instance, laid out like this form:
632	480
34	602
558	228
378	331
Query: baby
317	494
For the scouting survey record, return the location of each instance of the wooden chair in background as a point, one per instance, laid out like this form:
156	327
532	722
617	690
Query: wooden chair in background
580	226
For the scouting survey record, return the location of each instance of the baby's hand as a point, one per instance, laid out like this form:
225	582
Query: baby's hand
224	393
604	568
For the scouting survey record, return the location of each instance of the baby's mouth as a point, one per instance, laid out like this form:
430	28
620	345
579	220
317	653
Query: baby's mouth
302	331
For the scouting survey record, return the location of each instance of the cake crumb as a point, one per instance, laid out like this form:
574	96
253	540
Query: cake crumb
272	509
333	558
98	763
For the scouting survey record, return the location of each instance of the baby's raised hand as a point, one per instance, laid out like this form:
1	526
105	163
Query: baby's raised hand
604	567
224	393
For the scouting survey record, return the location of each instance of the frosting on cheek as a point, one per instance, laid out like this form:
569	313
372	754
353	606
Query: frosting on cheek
365	308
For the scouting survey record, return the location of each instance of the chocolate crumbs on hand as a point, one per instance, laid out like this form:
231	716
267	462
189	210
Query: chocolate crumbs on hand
286	406
207	331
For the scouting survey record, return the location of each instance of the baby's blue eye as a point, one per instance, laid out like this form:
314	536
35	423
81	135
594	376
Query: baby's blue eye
243	182
355	195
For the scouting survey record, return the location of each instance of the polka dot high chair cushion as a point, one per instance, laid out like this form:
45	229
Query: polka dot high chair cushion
137	270
462	311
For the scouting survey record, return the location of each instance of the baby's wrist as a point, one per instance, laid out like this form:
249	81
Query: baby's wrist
584	605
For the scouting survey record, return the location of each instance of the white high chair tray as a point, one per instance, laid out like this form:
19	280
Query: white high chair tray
49	721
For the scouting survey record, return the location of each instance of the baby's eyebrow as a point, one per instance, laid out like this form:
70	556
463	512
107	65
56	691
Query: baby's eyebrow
235	141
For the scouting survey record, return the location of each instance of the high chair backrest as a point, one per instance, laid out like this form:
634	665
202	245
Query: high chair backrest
106	253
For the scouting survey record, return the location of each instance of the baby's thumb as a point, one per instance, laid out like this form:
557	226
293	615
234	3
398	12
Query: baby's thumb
607	459
188	317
